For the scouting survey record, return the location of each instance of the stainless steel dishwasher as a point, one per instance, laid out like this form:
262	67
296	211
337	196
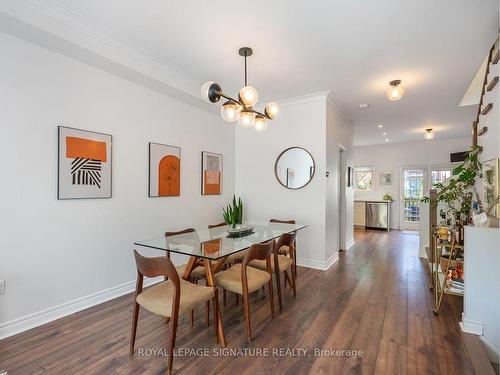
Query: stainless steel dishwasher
377	215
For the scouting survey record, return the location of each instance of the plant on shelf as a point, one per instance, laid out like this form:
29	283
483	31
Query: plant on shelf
387	197
233	215
458	191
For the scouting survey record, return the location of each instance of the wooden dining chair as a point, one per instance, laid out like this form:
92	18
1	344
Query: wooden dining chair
285	250
197	273
210	226
169	298
284	262
231	260
242	279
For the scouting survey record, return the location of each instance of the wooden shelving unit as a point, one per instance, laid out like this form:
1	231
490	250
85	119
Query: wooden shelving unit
442	246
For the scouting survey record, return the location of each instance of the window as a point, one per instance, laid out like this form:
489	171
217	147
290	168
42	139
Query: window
438	176
363	178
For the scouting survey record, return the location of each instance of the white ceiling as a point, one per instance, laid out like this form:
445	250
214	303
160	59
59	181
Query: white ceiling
352	48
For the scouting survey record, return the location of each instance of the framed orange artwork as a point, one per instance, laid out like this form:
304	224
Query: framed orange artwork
84	164
211	173
164	170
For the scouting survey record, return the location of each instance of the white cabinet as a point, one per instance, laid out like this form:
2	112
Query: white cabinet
359	213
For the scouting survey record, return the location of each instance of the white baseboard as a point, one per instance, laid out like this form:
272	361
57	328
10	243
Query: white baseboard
39	318
422	253
318	264
349	244
492	352
470	326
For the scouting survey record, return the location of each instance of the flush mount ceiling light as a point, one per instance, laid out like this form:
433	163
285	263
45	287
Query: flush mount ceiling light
380	126
428	134
241	110
395	91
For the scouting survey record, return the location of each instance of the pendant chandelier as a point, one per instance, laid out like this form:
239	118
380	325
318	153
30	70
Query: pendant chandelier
241	110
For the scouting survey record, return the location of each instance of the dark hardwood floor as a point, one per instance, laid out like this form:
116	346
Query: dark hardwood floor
375	299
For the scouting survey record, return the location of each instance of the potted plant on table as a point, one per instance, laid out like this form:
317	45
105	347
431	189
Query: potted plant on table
233	214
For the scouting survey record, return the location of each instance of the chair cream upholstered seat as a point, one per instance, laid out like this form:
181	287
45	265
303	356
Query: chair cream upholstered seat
284	250
198	272
284	263
231	279
158	299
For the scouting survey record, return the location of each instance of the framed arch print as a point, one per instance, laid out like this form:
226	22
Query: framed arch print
164	170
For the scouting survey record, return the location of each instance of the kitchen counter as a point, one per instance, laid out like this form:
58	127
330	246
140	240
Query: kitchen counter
372	200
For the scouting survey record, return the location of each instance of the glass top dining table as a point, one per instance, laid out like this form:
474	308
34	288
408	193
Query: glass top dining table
214	243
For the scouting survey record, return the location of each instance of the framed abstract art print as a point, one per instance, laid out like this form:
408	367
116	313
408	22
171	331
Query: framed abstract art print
211	173
84	164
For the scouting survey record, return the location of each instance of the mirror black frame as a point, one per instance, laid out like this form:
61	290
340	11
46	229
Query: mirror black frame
276	167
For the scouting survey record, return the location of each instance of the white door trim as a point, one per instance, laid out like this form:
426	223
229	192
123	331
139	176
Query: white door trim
425	169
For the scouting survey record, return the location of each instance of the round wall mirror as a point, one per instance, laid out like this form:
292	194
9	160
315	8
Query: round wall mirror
294	168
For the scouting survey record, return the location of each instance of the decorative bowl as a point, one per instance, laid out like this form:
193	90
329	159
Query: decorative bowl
240	230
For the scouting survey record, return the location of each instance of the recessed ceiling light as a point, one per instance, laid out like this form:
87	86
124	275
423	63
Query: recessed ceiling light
387	139
364	106
381	126
384	133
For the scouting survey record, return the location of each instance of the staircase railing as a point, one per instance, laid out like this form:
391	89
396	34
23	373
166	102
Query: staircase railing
475	125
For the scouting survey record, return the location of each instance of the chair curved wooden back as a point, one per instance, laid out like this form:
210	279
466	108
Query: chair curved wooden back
210	226
154	267
287	239
260	251
188	230
282	221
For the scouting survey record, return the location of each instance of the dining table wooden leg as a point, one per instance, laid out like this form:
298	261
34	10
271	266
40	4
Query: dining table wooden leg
218	318
191	265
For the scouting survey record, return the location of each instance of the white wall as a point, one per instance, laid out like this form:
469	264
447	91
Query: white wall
339	133
302	122
53	252
389	158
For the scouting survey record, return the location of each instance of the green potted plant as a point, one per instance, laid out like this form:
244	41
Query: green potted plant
233	214
458	191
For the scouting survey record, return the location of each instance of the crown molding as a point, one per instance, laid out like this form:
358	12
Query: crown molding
303	99
337	108
308	98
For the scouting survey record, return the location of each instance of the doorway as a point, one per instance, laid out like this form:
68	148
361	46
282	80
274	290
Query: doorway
413	186
341	199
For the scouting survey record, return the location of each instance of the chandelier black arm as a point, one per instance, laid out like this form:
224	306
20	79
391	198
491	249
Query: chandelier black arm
240	103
